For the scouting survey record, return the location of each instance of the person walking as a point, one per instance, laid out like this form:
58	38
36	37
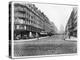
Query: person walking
69	35
37	36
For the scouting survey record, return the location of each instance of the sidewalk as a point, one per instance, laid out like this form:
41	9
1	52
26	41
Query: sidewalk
72	39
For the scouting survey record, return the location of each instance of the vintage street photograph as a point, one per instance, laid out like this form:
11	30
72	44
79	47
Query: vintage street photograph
40	29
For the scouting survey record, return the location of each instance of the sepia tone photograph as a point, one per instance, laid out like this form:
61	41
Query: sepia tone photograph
40	29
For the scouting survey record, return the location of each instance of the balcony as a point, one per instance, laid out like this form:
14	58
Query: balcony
17	14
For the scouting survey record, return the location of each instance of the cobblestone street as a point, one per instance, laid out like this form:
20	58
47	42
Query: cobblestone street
45	46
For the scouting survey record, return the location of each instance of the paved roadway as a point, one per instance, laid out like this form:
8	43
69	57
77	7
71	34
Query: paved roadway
45	46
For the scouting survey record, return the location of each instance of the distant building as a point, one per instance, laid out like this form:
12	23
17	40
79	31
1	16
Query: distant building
29	21
54	28
61	31
71	27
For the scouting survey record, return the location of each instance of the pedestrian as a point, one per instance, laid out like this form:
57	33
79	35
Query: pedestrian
37	36
69	35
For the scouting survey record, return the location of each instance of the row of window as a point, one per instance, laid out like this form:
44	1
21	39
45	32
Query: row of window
28	22
20	27
17	14
18	8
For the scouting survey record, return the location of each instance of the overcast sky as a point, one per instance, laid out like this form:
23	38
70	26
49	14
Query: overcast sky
59	14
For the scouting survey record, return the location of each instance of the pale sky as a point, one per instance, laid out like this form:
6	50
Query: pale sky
58	14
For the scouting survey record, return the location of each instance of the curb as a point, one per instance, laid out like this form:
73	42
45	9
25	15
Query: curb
30	39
